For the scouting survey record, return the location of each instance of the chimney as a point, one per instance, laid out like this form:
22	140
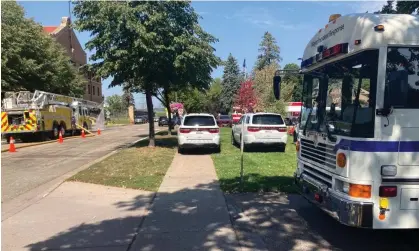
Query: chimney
65	21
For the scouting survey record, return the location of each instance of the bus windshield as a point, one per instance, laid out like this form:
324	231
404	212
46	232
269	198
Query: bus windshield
339	98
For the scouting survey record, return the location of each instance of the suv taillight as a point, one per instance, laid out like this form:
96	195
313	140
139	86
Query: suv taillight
253	129
214	130
282	129
184	130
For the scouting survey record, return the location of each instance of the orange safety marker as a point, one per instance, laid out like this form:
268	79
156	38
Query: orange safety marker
98	131
83	135
60	138
12	147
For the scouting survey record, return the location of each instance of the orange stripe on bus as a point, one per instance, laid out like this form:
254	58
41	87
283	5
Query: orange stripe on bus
28	127
4	124
3	116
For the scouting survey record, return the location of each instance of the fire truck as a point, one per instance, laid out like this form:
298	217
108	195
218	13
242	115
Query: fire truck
236	114
358	142
28	116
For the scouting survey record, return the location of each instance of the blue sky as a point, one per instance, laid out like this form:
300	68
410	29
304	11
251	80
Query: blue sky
239	26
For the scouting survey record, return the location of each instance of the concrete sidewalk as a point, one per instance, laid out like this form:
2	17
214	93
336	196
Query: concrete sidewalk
78	216
189	211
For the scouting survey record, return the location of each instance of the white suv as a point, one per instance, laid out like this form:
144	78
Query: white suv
198	130
261	129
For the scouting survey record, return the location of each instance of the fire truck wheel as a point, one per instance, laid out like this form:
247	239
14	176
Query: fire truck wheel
62	130
55	132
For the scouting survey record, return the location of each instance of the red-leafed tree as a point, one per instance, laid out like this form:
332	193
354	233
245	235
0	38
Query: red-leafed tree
246	98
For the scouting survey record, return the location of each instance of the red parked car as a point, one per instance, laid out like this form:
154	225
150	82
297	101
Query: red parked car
224	120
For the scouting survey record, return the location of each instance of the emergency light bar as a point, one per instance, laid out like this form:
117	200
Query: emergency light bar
325	54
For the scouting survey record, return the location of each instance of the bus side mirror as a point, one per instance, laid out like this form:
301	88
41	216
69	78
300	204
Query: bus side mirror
277	87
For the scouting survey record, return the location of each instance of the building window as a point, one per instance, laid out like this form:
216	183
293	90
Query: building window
93	90
98	92
88	89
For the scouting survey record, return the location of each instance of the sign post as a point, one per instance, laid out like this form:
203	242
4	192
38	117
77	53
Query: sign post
241	157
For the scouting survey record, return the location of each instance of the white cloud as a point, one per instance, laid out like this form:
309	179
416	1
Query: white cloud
262	18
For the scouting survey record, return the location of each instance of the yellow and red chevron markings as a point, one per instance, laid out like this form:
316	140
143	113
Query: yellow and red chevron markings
5	127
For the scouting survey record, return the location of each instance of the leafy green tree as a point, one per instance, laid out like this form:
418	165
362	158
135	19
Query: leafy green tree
128	98
213	97
294	81
193	100
152	46
263	88
269	52
401	7
32	60
230	83
115	104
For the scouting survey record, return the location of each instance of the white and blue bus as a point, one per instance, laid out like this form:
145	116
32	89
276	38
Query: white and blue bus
359	159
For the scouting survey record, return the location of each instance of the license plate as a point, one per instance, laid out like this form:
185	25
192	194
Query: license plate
198	132
268	131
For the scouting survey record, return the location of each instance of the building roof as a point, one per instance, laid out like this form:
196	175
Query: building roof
50	29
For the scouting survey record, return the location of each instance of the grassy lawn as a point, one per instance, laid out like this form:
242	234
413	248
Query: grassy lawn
137	167
118	121
264	170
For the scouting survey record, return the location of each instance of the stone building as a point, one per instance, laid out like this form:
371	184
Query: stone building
64	35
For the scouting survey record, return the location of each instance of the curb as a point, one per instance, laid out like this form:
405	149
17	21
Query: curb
26	200
47	142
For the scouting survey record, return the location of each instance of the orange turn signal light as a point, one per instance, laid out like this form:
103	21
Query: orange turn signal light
341	160
360	191
297	146
379	27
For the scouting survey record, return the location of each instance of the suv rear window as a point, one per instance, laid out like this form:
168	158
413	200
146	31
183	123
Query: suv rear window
267	119
199	120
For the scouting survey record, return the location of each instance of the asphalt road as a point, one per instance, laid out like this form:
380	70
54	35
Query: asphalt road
33	166
275	222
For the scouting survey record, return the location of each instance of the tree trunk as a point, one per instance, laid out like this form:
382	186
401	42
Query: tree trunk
150	112
169	112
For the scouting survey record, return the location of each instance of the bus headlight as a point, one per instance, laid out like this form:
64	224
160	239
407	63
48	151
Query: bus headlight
389	170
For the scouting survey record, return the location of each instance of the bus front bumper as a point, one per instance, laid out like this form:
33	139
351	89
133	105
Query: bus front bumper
350	213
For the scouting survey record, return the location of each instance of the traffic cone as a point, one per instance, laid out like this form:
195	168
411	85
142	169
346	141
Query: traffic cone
12	147
82	134
60	138
98	131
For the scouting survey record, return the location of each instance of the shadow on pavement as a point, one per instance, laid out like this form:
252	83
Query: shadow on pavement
176	221
288	222
196	219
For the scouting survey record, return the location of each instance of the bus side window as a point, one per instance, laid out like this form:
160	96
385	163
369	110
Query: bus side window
402	80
